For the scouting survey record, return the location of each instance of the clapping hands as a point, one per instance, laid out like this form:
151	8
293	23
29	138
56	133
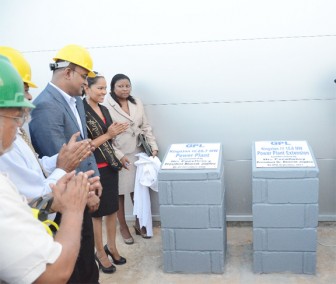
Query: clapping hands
116	128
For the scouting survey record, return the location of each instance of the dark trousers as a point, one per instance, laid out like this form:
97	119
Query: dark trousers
86	269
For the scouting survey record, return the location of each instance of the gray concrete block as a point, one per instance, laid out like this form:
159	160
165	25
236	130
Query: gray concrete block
197	192
295	262
199	239
293	190
258	262
285	190
168	239
208	174
309	266
168	261
164	190
278	216
260	241
311	215
259	190
293	240
217	262
171	175
195	216
284	172
187	261
217	216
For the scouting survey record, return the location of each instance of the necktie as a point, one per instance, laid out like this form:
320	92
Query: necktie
27	140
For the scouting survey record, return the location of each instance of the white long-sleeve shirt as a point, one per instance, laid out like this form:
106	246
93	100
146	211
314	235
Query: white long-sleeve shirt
24	171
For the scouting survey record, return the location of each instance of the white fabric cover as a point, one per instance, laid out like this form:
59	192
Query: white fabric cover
146	177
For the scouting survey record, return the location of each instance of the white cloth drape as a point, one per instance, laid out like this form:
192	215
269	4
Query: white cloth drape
145	178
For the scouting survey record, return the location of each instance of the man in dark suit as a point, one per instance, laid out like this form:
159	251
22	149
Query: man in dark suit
59	113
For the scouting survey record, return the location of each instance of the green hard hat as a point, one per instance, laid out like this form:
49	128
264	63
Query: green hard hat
11	86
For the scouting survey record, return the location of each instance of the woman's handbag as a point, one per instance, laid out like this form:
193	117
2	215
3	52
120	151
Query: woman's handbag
143	141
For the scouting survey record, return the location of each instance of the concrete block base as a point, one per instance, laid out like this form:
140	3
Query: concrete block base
193	262
193	219
295	262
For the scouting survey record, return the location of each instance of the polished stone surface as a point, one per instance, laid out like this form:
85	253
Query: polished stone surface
144	261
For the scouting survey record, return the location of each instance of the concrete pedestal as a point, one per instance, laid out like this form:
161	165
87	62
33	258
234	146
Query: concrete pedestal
193	220
285	219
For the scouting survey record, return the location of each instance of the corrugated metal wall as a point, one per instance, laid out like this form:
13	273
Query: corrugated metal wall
230	71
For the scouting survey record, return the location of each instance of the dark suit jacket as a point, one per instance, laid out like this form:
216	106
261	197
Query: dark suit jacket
53	123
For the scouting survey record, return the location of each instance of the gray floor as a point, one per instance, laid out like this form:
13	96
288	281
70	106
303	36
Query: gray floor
144	261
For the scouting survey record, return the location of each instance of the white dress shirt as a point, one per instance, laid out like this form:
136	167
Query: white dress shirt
23	169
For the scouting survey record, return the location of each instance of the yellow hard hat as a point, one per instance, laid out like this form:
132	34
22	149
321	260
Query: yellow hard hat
11	87
77	55
19	62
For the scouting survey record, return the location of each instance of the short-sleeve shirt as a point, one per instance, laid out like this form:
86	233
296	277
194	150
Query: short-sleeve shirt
25	246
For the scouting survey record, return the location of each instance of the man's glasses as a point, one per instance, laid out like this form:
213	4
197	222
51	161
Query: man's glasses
20	120
84	76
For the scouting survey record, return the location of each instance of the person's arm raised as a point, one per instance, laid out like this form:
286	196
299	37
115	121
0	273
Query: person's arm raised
71	193
73	153
113	130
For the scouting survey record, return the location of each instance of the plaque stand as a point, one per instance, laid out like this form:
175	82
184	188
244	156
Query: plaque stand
193	219
285	218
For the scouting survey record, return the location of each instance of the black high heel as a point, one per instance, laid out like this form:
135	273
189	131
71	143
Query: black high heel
119	261
110	269
138	232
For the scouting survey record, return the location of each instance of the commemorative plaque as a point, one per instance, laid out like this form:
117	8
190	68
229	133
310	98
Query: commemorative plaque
192	156
283	154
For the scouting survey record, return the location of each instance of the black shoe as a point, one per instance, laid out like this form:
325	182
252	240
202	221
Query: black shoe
119	261
110	269
139	232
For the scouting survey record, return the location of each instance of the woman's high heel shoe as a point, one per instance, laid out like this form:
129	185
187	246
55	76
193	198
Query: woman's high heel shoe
138	232
110	269
119	261
127	241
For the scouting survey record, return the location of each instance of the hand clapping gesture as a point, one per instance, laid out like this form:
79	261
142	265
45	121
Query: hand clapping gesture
71	193
73	153
116	128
